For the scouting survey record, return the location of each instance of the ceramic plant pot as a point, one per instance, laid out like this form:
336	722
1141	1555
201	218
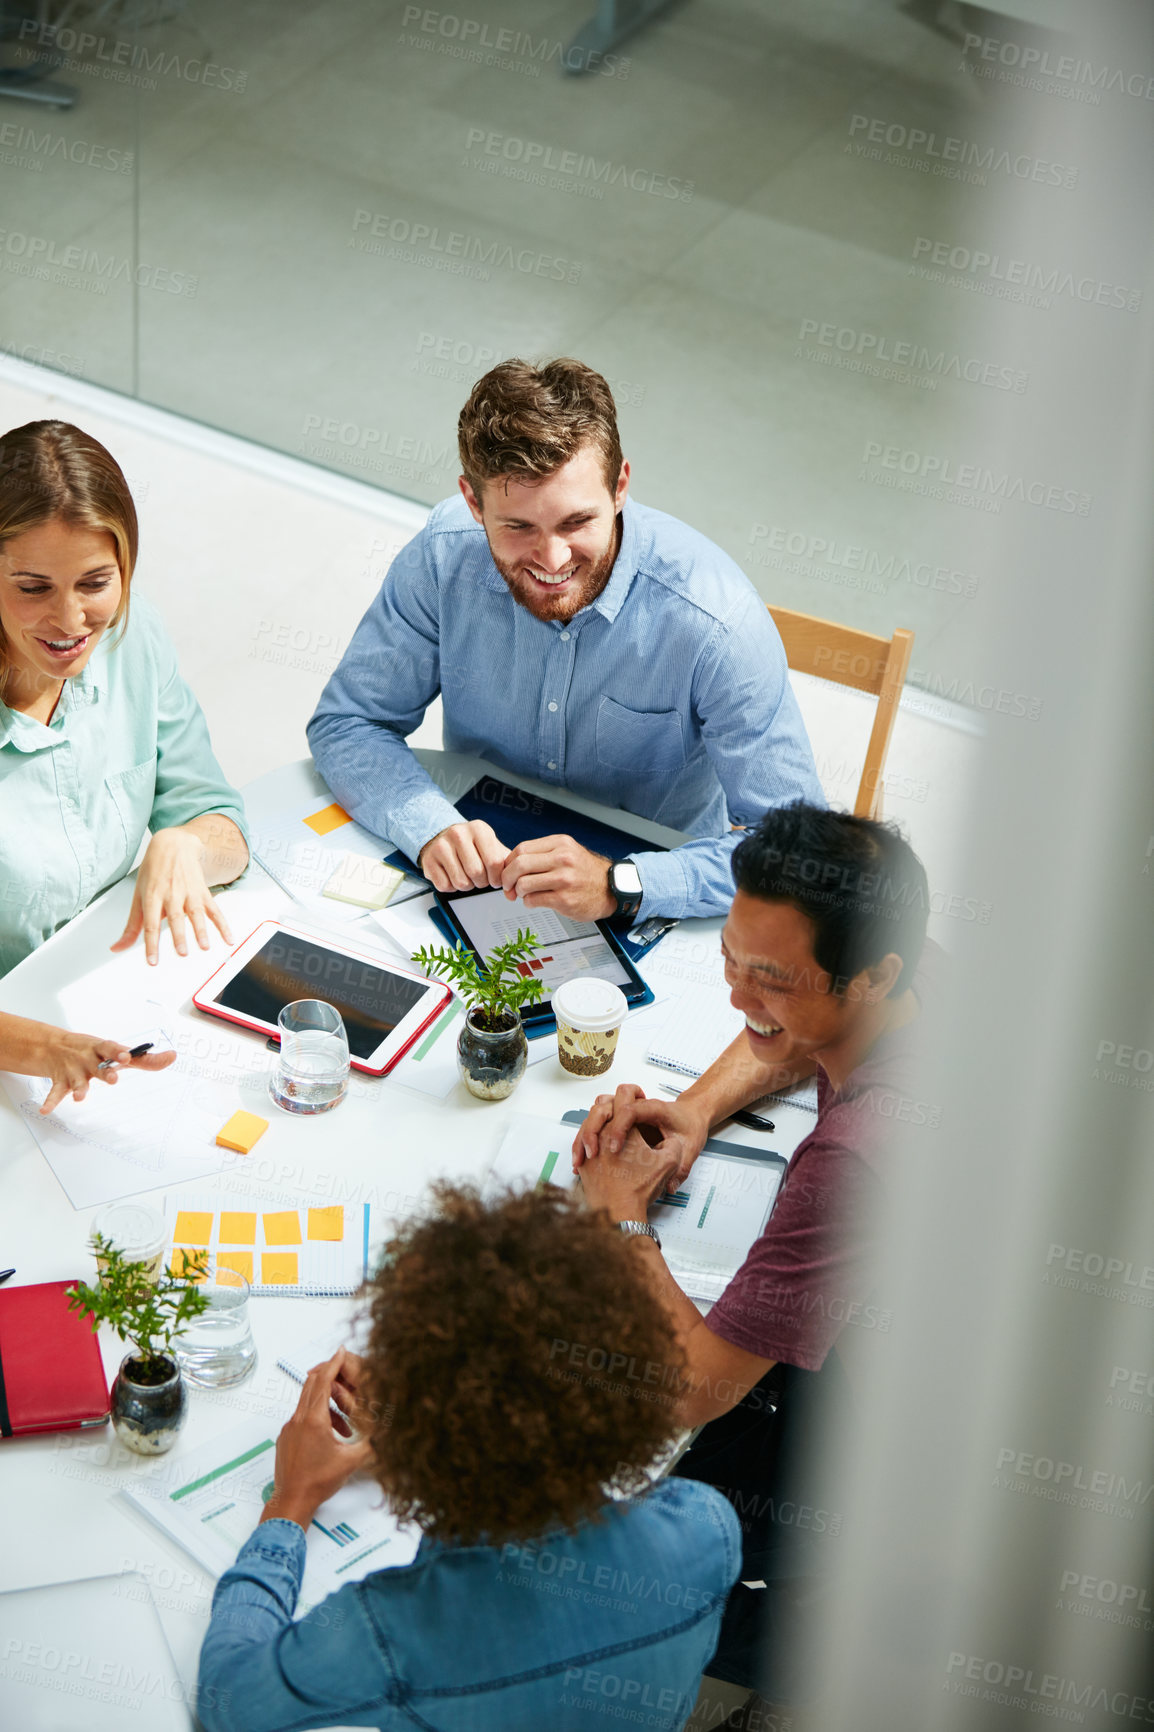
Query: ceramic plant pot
148	1416
492	1061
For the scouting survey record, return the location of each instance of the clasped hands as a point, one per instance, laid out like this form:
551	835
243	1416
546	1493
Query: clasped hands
631	1148
546	872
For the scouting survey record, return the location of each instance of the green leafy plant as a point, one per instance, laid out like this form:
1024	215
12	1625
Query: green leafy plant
497	988
150	1314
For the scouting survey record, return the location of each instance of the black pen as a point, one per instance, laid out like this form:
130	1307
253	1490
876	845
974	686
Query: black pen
133	1052
752	1121
4	1273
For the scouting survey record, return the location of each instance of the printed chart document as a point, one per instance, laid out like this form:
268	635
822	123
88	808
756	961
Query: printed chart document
707	1226
210	1501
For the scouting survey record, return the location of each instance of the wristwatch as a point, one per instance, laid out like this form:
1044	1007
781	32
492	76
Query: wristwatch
637	1229
625	886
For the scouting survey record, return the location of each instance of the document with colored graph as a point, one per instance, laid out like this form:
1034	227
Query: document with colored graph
210	1500
706	1226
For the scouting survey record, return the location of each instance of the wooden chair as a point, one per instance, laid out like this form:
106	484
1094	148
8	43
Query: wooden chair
853	658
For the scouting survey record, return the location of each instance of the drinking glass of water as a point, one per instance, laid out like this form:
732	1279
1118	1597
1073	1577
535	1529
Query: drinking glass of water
311	1073
217	1349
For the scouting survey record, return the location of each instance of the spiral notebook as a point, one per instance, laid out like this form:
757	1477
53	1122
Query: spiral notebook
697	1031
309	1248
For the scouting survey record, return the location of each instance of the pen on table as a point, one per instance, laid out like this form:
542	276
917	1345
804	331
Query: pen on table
754	1121
133	1052
4	1273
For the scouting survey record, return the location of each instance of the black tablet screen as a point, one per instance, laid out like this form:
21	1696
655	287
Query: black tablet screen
371	1000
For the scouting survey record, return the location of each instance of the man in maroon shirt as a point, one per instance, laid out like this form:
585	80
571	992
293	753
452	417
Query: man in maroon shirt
825	955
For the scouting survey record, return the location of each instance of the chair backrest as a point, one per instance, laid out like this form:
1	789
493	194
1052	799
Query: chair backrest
853	658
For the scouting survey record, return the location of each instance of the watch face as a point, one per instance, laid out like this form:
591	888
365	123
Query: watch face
625	879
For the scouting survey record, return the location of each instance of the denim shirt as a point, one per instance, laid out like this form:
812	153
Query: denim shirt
616	1620
668	696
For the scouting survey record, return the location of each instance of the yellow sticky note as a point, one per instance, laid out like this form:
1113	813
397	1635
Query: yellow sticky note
241	1261
278	1268
327	1223
184	1256
241	1132
193	1226
330	818
283	1228
237	1227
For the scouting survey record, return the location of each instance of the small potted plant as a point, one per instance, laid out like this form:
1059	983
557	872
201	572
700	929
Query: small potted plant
148	1396
492	1051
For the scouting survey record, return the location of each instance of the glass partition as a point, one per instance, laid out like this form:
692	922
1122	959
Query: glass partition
315	225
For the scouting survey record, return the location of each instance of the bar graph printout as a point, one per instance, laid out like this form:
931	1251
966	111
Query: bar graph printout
210	1500
706	1226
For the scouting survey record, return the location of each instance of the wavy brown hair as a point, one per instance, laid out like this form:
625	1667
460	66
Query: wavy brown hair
524	422
517	1366
53	470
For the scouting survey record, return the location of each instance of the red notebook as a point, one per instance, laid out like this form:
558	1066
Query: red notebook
51	1372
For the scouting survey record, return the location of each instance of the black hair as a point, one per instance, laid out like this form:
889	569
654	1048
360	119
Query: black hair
857	880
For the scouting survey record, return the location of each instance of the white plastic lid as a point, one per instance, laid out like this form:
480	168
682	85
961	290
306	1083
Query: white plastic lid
589	1005
133	1228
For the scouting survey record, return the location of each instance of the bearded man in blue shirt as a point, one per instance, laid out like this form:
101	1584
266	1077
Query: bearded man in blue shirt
577	638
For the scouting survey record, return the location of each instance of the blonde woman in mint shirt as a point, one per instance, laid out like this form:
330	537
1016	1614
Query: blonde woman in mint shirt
101	741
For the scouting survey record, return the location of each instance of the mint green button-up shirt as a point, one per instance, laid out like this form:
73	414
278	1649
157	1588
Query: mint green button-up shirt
127	751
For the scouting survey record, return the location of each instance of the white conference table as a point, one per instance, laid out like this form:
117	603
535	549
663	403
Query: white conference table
59	1514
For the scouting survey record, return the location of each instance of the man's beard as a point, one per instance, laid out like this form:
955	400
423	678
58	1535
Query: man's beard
538	601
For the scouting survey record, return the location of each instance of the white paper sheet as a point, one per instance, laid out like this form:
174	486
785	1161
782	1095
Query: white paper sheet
211	1499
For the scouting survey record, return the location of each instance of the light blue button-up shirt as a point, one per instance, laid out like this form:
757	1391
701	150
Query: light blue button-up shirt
668	697
126	751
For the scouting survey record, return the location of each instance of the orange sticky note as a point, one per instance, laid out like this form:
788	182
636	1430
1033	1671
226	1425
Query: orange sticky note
327	1223
237	1227
241	1261
184	1256
283	1228
241	1132
330	818
278	1268
193	1226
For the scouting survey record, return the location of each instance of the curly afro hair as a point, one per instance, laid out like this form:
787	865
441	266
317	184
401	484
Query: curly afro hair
517	1366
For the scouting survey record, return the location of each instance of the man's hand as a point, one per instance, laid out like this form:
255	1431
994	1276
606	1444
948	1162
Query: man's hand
464	857
556	872
312	1462
675	1130
627	1183
171	885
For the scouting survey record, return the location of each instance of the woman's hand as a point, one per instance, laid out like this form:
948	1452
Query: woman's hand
73	1060
171	885
312	1462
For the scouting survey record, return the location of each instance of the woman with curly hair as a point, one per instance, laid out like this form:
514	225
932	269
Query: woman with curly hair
519	1382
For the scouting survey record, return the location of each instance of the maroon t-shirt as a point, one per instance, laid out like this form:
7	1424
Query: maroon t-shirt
810	1272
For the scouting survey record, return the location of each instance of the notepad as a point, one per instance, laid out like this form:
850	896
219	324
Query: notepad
315	1248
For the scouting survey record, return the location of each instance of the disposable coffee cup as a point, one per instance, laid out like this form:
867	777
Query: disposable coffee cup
137	1232
589	1015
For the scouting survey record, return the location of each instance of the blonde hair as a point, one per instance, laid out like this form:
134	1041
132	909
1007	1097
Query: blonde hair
50	470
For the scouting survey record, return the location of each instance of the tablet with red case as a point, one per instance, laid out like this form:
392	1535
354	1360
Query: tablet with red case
385	1007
